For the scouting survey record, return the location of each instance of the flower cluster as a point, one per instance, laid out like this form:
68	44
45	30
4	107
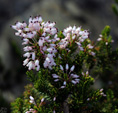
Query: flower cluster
101	37
39	38
67	76
42	42
102	93
74	35
31	111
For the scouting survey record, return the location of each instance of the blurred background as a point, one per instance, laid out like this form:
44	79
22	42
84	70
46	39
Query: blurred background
92	15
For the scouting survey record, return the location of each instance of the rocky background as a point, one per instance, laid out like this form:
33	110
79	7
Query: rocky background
90	14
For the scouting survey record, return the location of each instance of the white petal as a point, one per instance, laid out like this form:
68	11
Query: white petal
54	98
33	56
42	99
26	29
64	83
40	19
49	50
30	19
27	48
48	60
74	28
53	31
77	80
27	54
45	64
62	87
31	101
54	111
67	66
101	90
87	73
73	37
99	39
81	33
74	76
74	82
85	37
56	80
47	37
41	42
17	34
36	62
55	76
78	43
44	34
31	65
14	27
81	48
31	98
92	53
72	68
25	61
38	67
61	67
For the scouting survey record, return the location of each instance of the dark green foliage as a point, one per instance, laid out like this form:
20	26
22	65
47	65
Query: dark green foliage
80	97
115	7
110	105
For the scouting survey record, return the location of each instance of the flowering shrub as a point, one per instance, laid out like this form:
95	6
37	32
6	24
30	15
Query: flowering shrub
59	65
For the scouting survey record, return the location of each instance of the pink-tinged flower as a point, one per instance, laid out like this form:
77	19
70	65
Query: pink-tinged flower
54	111
70	77
36	62
26	41
31	98
42	100
101	90
27	48
33	55
32	101
106	43
41	42
72	68
99	39
54	99
27	54
31	65
90	46
92	53
25	61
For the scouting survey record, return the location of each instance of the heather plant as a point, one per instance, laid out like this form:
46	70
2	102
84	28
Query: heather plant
115	7
62	66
